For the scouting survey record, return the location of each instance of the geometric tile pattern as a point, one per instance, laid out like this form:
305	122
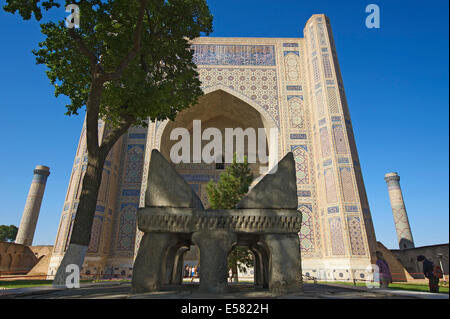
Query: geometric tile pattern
402	224
135	163
301	164
330	186
95	234
325	142
319	103
312	37
332	100
316	72
307	231
356	238
347	184
205	54
127	227
337	239
327	66
295	105
292	66
260	85
322	36
339	139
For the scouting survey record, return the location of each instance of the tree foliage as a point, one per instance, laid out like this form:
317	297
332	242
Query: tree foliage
8	233
128	61
233	184
139	50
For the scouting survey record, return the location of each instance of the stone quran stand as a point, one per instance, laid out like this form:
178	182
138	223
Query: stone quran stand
266	221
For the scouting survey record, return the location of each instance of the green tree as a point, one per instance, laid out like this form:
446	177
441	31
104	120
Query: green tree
233	184
8	233
127	62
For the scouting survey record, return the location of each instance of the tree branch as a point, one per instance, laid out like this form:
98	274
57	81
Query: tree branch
84	49
136	46
114	135
92	109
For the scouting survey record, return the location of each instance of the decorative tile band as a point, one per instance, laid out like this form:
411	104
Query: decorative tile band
293	52
304	193
335	118
217	54
131	192
333	210
327	162
298	137
199	178
100	209
40	179
294	87
137	136
351	209
290	45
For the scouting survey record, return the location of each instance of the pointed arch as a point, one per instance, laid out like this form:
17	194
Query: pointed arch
268	120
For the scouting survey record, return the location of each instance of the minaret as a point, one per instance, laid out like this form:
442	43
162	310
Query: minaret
33	205
404	235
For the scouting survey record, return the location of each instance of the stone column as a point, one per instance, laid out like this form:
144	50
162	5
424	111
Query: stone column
178	272
261	265
258	269
285	263
33	205
214	247
149	269
404	234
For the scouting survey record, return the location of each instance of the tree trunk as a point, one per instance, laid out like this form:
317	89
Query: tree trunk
81	232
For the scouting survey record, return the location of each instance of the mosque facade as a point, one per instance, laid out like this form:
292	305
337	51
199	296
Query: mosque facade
291	85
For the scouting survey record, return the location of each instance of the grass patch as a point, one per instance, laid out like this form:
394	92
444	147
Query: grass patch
11	284
415	287
400	286
24	283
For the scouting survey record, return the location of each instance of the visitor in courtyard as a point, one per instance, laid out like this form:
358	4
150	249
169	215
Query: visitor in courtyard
186	271
193	273
384	271
428	271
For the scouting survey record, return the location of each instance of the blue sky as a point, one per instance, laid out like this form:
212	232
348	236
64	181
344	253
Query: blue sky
396	80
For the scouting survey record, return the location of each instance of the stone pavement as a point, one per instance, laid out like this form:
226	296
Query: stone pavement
190	291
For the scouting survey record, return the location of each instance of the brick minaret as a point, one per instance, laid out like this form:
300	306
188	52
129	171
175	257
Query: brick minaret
404	235
33	205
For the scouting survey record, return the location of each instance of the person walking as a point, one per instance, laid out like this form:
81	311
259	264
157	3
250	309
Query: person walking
193	273
384	271
429	272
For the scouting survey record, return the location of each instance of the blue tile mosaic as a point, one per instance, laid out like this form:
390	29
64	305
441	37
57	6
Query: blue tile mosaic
294	87
333	210
290	45
218	54
304	193
131	192
298	137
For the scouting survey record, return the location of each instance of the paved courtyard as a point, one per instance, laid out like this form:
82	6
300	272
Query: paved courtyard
190	291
